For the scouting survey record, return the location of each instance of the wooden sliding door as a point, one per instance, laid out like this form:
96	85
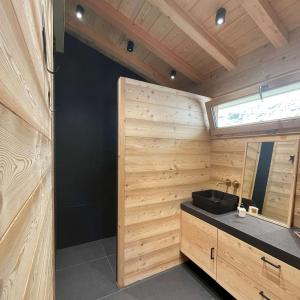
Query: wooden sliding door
26	185
163	157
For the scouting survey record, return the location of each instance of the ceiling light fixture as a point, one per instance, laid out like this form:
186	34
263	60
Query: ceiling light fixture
130	46
220	16
173	74
79	12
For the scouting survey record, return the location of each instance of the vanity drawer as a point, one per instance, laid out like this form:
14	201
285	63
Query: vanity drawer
274	275
199	242
240	285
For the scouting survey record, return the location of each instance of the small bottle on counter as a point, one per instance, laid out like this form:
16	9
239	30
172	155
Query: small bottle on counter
242	211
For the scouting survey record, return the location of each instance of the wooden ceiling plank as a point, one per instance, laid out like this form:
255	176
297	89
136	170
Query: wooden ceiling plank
120	21
101	43
196	32
267	20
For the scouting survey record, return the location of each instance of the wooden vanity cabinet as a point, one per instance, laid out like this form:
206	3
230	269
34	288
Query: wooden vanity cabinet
240	285
243	270
275	276
199	242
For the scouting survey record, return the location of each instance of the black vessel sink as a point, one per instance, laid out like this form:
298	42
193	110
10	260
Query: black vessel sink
215	202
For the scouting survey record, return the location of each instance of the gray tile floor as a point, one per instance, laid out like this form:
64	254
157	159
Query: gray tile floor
88	271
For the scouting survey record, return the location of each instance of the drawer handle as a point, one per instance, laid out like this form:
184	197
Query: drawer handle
212	251
270	263
264	296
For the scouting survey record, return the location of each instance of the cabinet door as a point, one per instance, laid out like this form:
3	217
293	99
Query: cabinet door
199	242
274	275
240	285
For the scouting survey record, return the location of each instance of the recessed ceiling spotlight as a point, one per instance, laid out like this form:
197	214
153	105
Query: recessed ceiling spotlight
220	16
79	12
173	74
130	46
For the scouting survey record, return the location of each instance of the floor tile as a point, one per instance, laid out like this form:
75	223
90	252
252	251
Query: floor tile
122	295
82	275
78	254
113	263
177	283
89	281
110	245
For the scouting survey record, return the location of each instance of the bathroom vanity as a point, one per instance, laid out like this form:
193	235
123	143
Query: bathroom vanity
250	257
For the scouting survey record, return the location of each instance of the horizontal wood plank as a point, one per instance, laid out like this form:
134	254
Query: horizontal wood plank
158	146
166	162
17	76
152	112
138	198
145	128
24	159
18	244
134	181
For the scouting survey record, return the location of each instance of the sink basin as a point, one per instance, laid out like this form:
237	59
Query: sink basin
215	202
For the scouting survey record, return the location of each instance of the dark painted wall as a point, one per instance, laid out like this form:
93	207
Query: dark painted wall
262	174
86	144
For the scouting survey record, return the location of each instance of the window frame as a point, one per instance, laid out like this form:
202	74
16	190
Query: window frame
276	127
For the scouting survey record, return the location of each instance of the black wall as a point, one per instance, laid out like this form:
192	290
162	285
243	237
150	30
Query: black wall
86	144
262	174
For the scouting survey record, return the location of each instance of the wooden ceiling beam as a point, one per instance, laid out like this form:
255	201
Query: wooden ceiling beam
135	32
101	43
267	20
196	32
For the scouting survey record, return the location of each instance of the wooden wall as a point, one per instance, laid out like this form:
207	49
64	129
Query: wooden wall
280	182
26	183
258	66
227	158
164	155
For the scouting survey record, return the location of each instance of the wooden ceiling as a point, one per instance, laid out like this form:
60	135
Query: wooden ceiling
181	34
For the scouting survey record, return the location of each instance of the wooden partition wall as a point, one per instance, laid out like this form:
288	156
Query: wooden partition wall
26	202
227	159
164	155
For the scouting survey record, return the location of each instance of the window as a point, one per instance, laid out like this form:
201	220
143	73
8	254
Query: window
276	109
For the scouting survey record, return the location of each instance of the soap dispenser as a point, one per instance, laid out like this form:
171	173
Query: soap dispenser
242	211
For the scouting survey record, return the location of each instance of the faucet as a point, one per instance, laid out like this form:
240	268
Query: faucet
227	182
235	185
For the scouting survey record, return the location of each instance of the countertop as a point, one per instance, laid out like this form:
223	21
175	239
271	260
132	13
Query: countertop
271	238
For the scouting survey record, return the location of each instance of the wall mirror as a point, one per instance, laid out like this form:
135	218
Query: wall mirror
269	180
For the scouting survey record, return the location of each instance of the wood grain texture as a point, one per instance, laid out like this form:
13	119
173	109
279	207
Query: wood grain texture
235	265
26	161
261	65
18	245
121	181
283	282
199	243
196	32
267	20
24	156
234	150
42	266
112	15
229	276
250	169
17	74
163	156
277	202
240	35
